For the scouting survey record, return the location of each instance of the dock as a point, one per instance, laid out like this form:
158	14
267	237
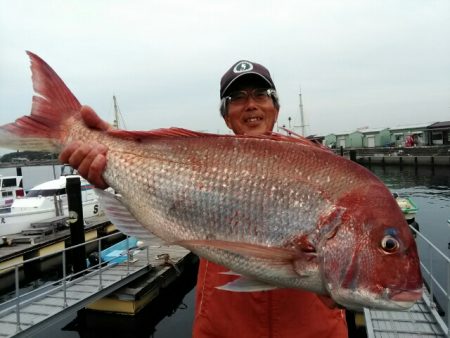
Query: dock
422	320
126	288
156	263
44	240
399	160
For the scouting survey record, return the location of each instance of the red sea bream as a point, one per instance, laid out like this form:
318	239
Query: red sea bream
277	211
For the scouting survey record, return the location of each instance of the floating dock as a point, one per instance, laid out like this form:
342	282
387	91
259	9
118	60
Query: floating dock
25	246
422	320
151	268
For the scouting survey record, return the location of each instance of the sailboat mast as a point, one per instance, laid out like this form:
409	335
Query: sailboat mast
116	113
302	117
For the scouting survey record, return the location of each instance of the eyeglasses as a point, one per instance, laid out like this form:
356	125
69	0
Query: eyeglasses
259	95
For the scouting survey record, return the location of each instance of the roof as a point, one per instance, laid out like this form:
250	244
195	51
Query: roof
411	126
443	124
373	130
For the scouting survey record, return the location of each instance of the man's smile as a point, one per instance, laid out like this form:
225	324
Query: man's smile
253	120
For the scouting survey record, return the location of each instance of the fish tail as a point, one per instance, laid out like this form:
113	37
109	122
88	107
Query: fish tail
47	125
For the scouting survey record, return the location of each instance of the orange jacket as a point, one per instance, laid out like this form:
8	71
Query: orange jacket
267	314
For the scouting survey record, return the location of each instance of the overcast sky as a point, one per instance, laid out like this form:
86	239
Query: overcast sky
358	63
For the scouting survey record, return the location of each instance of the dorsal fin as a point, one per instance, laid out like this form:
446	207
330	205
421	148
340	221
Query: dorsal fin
141	136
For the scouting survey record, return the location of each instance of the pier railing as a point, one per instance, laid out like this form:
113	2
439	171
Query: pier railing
434	286
22	298
430	258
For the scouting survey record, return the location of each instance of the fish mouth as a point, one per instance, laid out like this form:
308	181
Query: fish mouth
390	299
405	295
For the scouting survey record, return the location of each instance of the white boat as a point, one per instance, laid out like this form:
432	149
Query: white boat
45	201
10	189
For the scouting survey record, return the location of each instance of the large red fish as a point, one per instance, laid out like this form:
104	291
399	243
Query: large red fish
277	211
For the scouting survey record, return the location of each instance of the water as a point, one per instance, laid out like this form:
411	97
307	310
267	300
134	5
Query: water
430	190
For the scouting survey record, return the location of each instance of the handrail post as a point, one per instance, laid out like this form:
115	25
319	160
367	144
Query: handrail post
128	255
448	295
100	287
430	252
16	273
64	278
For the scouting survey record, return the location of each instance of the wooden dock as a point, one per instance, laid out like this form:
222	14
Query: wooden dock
157	264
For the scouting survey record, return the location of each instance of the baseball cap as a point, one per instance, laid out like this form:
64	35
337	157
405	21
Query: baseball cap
244	68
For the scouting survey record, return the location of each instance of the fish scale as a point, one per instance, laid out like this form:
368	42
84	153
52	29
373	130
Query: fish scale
223	184
280	211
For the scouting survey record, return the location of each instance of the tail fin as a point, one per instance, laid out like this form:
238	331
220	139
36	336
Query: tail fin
44	128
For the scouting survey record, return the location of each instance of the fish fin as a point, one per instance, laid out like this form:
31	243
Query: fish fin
44	128
305	244
306	268
245	249
301	139
141	136
120	216
230	273
244	284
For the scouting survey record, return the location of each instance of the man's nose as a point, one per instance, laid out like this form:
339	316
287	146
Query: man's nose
250	102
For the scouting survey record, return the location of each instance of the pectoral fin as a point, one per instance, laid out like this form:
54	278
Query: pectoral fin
120	216
245	249
244	284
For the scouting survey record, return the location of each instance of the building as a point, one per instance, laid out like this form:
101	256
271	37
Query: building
354	140
418	132
434	134
439	133
376	138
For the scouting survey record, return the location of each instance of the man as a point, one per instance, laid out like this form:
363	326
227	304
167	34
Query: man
249	106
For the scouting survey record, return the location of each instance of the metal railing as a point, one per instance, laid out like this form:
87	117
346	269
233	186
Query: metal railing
433	283
20	300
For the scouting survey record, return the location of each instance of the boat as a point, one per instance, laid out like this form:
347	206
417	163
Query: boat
46	201
11	187
408	207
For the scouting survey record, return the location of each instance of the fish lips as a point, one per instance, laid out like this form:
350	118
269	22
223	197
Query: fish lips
407	296
390	299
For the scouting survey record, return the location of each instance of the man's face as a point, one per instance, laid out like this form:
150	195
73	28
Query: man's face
251	117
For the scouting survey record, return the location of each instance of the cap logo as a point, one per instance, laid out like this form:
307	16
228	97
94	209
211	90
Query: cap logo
243	66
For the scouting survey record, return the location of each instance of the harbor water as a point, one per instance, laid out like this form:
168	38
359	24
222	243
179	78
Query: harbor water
429	188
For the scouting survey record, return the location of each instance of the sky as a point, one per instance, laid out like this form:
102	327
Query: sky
357	63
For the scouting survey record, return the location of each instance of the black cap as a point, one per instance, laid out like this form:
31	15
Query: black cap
244	68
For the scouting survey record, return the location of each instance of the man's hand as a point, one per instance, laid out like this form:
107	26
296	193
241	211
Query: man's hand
88	158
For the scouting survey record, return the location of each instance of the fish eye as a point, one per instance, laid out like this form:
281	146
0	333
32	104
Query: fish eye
389	244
